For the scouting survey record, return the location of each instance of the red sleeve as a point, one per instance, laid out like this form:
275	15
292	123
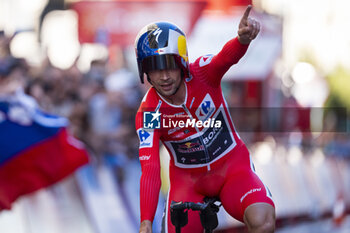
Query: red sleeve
212	68
150	182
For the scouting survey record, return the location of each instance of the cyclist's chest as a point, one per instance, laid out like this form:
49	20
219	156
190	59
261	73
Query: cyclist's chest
197	113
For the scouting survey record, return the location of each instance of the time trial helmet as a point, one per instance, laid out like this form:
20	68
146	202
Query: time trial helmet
159	46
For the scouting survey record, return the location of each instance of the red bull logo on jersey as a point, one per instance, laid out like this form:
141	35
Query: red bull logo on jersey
190	147
206	108
205	146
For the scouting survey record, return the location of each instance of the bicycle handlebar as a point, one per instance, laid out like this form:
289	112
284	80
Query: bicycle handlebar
208	210
194	206
188	205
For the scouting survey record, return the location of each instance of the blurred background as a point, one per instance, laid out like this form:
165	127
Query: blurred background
290	99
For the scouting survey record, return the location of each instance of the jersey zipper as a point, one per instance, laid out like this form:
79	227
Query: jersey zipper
207	157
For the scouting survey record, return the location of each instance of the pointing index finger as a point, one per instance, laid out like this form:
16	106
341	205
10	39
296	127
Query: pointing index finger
247	11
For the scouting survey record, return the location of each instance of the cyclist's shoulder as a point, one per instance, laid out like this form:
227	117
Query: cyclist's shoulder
149	101
201	62
200	71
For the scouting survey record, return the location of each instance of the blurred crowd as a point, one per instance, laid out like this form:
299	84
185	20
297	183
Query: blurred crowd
100	104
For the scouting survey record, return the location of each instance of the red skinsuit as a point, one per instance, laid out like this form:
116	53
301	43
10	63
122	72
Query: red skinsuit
204	161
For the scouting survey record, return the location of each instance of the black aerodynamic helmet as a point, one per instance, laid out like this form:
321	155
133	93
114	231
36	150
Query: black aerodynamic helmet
160	46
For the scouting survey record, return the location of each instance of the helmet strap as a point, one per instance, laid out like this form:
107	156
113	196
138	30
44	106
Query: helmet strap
148	79
182	78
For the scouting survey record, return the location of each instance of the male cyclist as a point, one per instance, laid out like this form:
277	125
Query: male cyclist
186	110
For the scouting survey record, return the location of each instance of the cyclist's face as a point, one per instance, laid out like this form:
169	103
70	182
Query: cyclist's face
166	82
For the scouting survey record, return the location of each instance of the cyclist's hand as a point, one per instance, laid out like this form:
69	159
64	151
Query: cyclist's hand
146	227
248	28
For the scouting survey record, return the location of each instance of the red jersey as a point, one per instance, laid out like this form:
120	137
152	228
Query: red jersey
197	133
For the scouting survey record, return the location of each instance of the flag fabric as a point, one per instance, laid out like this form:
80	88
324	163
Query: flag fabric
35	149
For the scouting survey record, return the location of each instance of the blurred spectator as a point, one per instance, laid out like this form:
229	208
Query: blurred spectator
12	70
97	72
12	75
111	118
338	146
92	82
36	88
4	45
54	88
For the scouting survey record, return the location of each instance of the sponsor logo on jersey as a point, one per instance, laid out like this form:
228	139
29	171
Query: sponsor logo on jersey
202	148
205	60
144	157
151	120
190	147
209	136
206	108
145	137
250	192
173	130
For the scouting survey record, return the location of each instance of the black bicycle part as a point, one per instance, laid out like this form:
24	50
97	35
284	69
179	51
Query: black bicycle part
208	213
179	215
208	216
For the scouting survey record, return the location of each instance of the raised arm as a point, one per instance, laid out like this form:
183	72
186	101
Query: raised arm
213	67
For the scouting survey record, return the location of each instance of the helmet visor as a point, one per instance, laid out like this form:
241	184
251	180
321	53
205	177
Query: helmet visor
160	62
